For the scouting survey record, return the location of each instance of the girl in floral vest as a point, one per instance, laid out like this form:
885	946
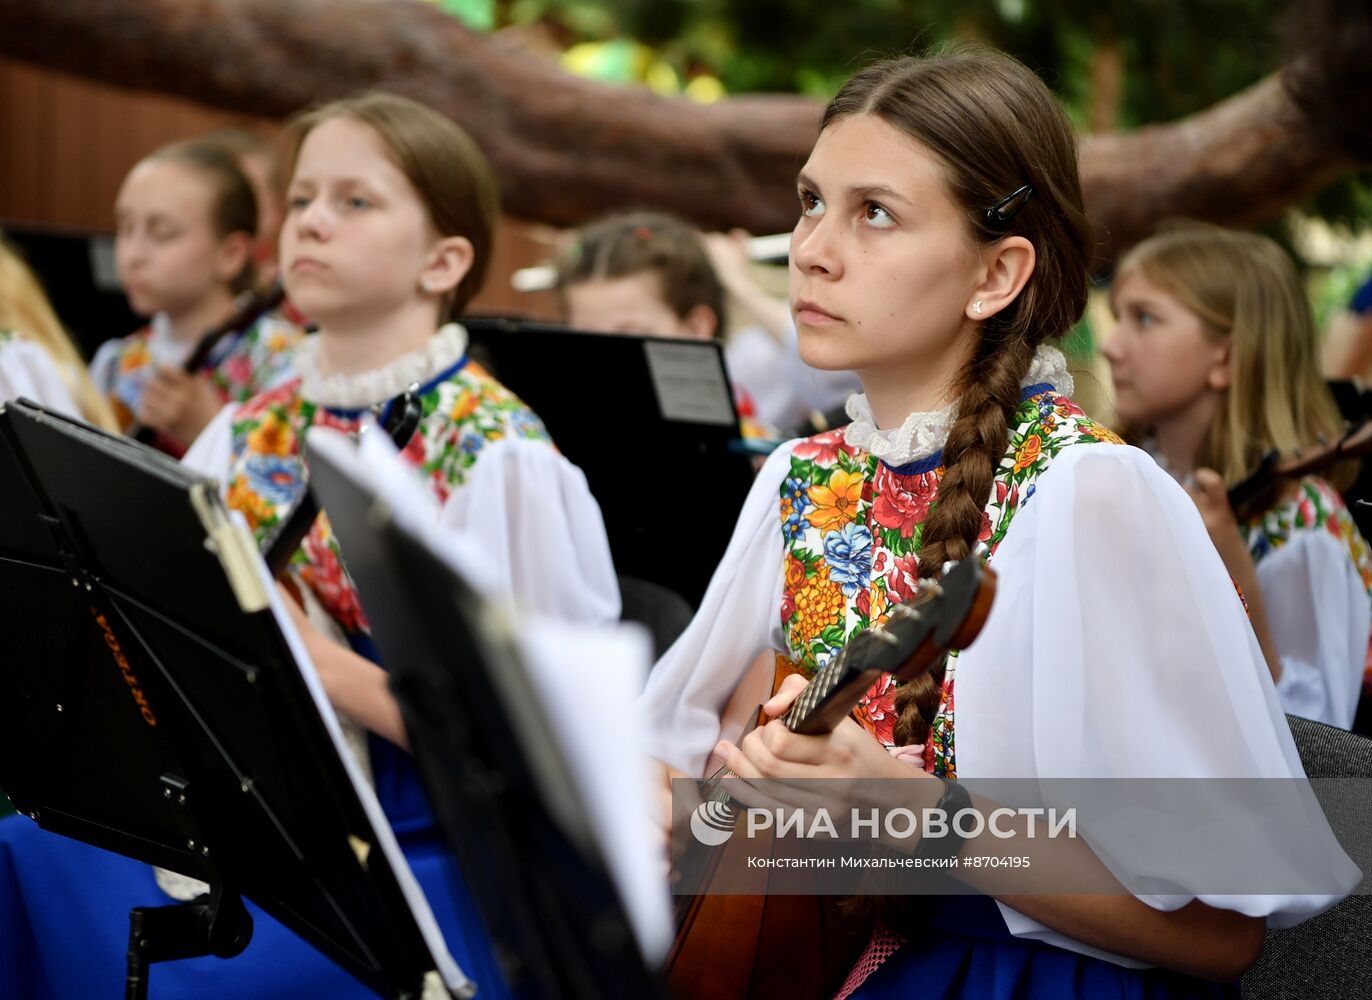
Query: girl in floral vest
186	221
1214	365
388	233
941	248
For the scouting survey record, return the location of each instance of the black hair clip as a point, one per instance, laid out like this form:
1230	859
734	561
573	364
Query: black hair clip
998	216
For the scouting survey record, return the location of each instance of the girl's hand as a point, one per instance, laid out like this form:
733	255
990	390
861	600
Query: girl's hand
774	752
178	404
1212	500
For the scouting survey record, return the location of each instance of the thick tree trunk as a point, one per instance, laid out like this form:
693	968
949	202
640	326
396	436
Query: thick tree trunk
566	149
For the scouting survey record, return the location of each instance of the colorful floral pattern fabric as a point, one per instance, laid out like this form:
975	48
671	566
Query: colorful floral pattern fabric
1317	506
852	528
464	410
239	367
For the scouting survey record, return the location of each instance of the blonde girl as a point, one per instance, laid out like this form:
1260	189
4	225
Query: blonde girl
1214	363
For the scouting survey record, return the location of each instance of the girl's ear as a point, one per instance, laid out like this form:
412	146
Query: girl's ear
1221	374
235	253
1009	264
449	261
701	323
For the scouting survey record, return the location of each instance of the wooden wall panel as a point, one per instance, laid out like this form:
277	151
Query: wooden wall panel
66	144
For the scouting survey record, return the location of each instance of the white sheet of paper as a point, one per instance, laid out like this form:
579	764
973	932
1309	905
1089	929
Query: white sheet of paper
690	382
594	723
453	976
597	726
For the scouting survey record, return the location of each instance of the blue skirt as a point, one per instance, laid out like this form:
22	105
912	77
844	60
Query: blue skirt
64	917
971	955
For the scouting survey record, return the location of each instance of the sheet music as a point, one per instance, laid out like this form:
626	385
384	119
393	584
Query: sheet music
595	724
455	979
690	383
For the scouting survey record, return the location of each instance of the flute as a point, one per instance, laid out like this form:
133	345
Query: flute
762	249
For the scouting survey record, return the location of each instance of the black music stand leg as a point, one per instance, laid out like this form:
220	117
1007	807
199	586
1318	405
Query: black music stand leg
216	924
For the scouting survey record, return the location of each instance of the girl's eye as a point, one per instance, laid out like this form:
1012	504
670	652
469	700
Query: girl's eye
297	202
811	205
1146	319
357	202
878	216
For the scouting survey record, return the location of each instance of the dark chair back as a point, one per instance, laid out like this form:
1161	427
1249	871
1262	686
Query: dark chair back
664	611
1329	955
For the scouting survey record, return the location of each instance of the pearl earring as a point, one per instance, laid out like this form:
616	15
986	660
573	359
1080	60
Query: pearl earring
427	284
976	307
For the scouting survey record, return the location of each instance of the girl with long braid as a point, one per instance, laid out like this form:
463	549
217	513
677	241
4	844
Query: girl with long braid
942	245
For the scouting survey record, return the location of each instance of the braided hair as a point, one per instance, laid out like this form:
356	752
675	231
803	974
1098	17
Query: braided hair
1009	159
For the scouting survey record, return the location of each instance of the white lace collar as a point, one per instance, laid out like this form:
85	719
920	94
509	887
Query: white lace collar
922	434
354	392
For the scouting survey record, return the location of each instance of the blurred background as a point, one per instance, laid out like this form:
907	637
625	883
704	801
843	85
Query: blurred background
88	88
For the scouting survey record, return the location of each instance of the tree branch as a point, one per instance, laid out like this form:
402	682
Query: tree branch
566	149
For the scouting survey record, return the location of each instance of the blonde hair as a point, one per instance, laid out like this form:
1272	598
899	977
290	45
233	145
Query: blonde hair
1244	287
25	310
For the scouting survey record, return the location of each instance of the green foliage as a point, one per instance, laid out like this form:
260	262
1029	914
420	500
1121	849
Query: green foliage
1175	57
476	14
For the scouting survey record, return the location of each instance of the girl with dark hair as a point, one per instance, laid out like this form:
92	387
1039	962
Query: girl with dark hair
648	273
941	248
186	220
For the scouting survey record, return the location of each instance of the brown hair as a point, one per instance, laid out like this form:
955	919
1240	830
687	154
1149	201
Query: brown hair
243	143
447	169
630	243
233	208
1244	287
994	127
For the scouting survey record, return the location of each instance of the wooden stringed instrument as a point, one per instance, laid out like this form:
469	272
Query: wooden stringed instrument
1258	485
734	946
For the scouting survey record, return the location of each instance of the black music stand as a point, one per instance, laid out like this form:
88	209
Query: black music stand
649	407
154	707
502	791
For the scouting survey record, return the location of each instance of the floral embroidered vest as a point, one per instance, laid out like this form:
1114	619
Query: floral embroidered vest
464	409
852	527
240	366
1317	506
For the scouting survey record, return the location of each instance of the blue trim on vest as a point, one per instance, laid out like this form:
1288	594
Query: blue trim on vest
920	466
424	389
